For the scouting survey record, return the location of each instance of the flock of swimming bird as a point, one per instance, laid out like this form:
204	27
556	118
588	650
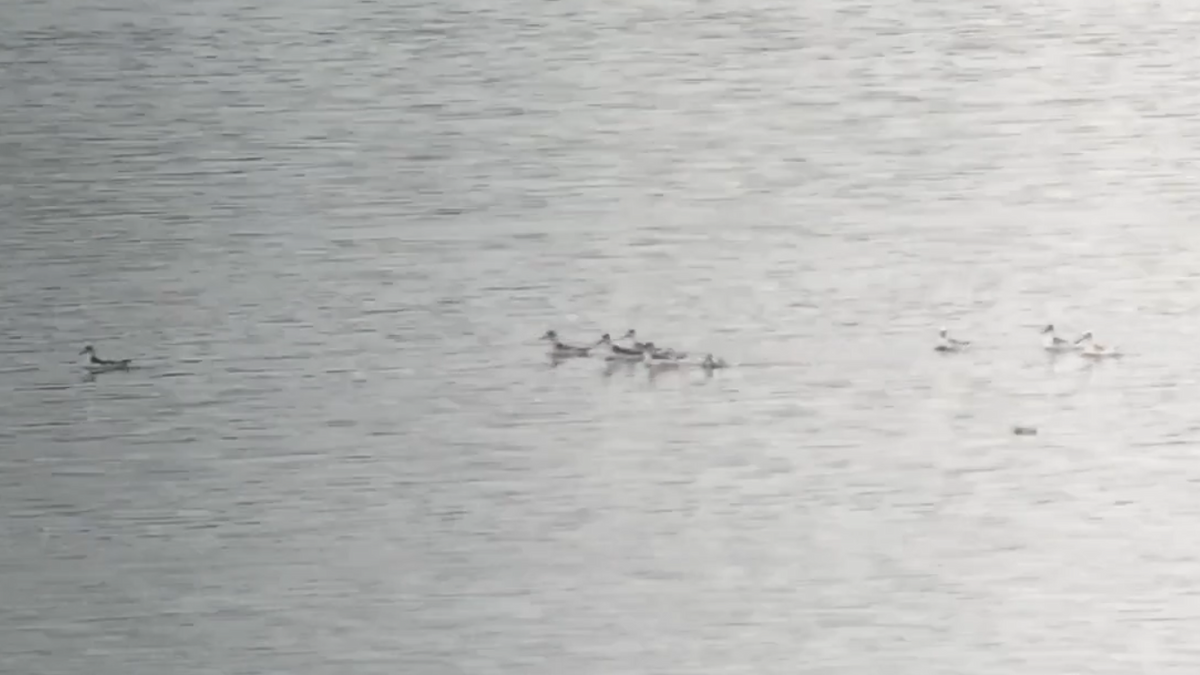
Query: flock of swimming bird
656	357
645	352
628	349
659	358
1085	344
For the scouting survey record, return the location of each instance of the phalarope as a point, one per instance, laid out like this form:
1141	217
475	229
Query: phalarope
631	335
617	352
1053	343
560	350
666	353
96	364
949	344
1093	349
656	362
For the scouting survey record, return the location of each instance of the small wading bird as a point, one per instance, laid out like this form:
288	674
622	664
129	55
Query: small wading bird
665	353
1053	343
95	364
948	344
563	351
617	352
656	362
1093	349
631	335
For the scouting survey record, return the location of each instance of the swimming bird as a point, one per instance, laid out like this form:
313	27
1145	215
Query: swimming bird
1053	343
96	364
560	350
709	363
656	363
631	335
949	344
1093	349
665	353
617	352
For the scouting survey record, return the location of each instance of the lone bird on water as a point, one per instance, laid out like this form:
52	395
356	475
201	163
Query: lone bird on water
96	364
947	344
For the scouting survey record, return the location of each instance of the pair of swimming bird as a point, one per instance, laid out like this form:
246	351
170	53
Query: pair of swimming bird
647	352
1086	344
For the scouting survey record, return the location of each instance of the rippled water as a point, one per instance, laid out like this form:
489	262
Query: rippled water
331	232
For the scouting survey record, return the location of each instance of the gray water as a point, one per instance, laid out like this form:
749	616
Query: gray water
330	234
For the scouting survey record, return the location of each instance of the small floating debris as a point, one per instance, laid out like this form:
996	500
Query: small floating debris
1025	431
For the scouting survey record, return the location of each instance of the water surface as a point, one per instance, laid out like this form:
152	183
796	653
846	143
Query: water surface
331	232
